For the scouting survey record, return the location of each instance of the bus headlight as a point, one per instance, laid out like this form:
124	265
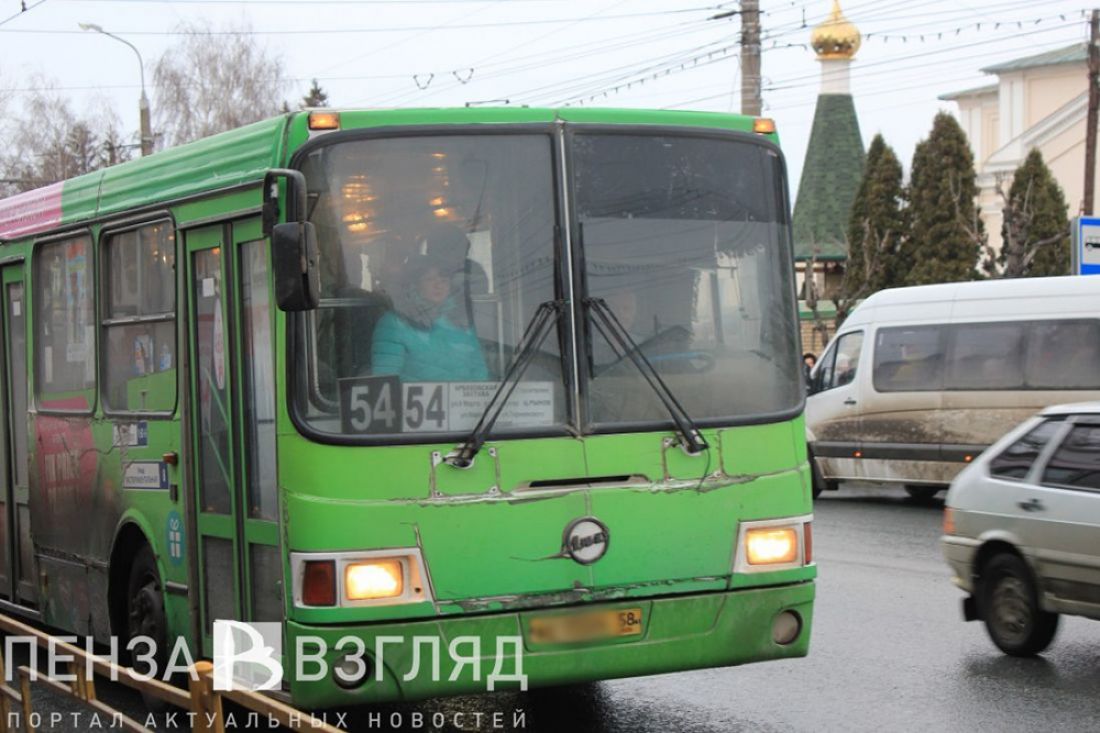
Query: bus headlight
766	545
771	545
371	580
353	579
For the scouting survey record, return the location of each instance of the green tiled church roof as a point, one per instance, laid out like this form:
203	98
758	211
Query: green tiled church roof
830	179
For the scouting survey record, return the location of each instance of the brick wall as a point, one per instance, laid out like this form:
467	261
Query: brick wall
812	340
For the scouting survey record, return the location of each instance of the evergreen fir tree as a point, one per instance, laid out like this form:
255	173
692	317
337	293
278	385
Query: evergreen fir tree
876	226
1035	229
316	97
945	233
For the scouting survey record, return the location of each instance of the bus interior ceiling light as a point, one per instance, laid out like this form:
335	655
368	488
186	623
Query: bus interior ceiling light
324	120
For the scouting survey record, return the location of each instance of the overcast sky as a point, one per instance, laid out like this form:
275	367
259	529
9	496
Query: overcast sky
632	53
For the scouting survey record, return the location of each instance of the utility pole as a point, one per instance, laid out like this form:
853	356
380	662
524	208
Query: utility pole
751	103
143	102
1094	109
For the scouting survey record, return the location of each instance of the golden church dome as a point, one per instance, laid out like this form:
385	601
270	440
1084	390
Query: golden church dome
836	38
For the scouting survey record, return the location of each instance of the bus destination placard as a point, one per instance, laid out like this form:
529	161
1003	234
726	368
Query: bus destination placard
383	405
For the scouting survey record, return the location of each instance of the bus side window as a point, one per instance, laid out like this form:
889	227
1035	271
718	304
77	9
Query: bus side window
64	325
139	320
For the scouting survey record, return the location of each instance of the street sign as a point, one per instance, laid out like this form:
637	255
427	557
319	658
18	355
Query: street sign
1086	245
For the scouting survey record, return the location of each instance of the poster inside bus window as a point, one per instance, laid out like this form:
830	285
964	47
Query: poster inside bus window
386	405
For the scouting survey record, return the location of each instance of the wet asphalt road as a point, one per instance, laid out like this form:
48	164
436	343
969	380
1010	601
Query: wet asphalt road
889	652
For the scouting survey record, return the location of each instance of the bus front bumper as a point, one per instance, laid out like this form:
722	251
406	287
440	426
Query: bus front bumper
678	633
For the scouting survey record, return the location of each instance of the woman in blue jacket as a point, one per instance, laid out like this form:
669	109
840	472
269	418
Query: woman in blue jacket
427	337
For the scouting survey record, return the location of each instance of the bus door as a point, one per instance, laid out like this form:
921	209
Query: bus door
16	553
233	406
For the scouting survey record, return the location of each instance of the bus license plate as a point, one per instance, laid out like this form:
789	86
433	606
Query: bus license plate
586	626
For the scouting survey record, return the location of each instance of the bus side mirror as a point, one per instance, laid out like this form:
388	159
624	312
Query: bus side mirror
295	257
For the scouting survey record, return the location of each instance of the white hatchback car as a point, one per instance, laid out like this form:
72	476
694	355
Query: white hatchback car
1022	528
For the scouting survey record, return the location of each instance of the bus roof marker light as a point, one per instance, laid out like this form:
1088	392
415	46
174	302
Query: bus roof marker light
324	120
763	126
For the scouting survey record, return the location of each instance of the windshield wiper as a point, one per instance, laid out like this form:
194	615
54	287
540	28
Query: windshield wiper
691	439
542	322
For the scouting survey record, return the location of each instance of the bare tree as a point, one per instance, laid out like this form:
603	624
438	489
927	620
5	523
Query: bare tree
861	279
213	81
60	144
1020	247
813	296
969	219
1035	228
4	97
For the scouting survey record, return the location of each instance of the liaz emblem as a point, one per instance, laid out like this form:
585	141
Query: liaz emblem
585	540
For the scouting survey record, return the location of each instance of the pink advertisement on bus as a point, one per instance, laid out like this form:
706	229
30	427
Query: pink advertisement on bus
30	212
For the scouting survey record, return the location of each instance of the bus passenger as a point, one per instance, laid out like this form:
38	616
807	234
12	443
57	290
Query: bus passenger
448	245
427	337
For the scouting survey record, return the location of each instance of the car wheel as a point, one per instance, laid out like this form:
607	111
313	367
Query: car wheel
922	493
1010	607
816	480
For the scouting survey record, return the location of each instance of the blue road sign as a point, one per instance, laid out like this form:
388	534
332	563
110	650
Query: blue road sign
1086	245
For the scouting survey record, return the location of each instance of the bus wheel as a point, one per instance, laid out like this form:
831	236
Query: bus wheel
922	493
1010	606
145	617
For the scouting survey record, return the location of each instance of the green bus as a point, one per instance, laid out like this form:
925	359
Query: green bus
517	387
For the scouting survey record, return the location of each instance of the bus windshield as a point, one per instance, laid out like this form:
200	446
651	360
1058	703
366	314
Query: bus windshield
684	238
437	251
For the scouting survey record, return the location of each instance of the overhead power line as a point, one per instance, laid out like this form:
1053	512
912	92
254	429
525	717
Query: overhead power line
790	82
374	29
560	55
23	11
675	66
882	67
302	2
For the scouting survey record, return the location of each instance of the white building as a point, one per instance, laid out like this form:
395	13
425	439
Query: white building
1039	102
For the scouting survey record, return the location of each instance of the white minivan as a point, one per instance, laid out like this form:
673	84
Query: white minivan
918	381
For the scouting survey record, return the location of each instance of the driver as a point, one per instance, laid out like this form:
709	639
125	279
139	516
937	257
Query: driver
427	337
624	304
